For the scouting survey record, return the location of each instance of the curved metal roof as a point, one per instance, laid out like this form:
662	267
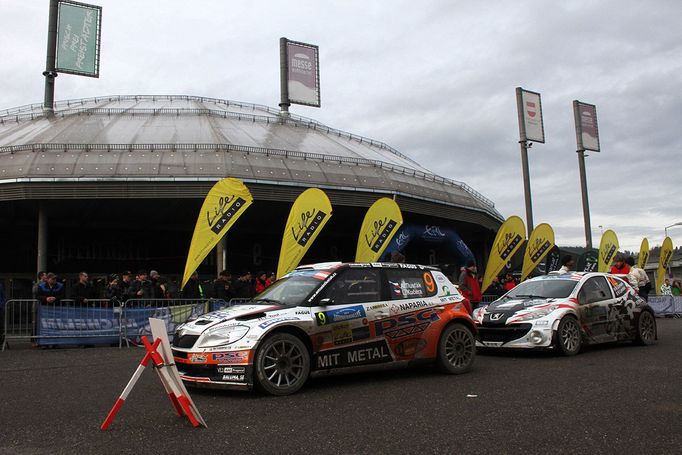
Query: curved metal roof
188	138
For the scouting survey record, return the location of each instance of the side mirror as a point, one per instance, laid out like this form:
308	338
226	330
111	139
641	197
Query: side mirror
326	301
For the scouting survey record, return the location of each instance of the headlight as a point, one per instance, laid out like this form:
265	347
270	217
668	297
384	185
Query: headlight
537	314
219	336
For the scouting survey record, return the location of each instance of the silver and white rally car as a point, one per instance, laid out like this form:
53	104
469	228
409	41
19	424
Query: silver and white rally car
563	311
326	318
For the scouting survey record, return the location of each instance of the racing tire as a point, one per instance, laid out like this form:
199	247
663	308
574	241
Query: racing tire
456	349
568	339
282	364
646	329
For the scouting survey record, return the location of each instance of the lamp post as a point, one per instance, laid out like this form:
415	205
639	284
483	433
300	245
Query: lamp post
667	227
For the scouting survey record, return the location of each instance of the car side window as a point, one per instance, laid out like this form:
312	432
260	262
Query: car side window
594	290
354	286
410	284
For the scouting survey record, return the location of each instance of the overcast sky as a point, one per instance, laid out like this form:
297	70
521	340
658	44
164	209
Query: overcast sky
433	79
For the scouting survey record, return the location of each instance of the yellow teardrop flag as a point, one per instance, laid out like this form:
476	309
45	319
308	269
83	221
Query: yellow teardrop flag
224	203
663	261
608	247
643	257
540	242
508	240
308	215
381	222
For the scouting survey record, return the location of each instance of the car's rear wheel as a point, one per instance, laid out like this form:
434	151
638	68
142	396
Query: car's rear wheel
456	349
646	329
568	339
282	364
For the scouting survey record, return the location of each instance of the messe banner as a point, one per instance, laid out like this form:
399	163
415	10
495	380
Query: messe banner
588	261
303	73
381	223
78	38
529	107
643	257
586	130
224	204
69	325
508	240
308	215
540	242
608	247
663	262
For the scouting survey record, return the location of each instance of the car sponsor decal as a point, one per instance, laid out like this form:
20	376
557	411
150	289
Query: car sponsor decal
198	358
231	357
273	321
233	377
363	354
344	334
408	306
340	314
409	347
405	324
233	370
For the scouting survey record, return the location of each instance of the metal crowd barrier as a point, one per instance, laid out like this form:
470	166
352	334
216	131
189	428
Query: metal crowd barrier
666	305
97	321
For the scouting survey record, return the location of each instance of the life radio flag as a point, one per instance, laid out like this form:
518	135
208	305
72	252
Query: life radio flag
224	204
308	215
643	257
508	240
540	242
663	262
608	247
381	222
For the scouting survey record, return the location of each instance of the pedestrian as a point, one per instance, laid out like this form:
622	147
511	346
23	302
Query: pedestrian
156	280
397	257
222	286
567	264
126	280
141	288
665	288
42	278
496	289
638	278
271	278
242	286
193	288
50	292
261	282
676	288
114	291
509	282
468	285
83	291
619	266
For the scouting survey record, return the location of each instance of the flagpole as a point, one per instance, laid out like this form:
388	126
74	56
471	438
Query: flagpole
50	73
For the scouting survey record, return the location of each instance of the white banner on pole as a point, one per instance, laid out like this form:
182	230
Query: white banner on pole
529	106
586	129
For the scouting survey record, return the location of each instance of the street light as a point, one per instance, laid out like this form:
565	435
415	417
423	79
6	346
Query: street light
666	228
601	229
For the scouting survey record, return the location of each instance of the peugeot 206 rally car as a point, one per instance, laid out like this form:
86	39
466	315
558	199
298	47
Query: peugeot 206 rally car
329	317
563	311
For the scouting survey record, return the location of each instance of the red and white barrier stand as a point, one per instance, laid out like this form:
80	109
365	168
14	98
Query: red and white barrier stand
159	353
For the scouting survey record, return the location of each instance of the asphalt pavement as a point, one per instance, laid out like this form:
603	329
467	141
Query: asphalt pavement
615	398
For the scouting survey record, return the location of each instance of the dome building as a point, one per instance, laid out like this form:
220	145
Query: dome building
114	183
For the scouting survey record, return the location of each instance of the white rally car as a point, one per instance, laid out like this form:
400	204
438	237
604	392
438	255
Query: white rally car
325	318
563	311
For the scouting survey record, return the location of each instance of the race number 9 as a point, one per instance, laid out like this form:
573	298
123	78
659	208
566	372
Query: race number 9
428	280
321	318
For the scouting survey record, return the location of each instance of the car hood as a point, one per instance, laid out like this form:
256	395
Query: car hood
239	312
499	311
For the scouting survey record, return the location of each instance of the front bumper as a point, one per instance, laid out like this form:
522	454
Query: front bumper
523	336
206	370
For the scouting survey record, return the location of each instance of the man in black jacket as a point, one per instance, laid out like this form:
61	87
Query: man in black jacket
141	288
83	291
222	287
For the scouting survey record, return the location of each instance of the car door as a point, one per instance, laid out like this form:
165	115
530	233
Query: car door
411	312
343	313
596	300
623	307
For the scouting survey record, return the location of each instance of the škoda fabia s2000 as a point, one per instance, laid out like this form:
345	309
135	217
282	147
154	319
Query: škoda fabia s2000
329	317
565	311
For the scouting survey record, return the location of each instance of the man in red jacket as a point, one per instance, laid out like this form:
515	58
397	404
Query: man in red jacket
468	285
619	266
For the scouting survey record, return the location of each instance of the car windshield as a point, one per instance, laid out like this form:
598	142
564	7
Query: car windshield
288	291
542	289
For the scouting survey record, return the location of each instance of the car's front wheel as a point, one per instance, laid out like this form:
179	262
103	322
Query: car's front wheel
646	329
282	364
568	339
456	349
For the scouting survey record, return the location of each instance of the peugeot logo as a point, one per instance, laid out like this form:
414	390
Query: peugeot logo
496	316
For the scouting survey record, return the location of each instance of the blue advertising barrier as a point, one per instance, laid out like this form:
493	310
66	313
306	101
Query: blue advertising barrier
59	325
666	305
